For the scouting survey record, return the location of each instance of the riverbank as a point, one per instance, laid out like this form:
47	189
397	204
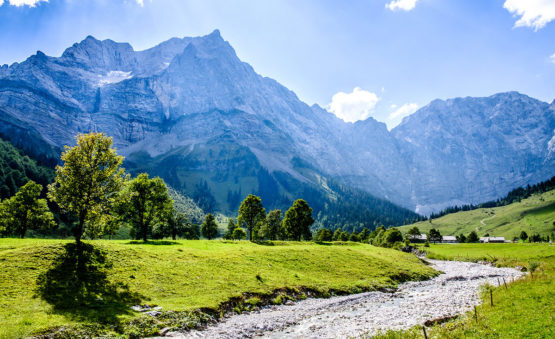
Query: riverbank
450	294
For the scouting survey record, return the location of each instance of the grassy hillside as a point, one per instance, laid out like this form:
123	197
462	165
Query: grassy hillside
533	215
511	315
39	289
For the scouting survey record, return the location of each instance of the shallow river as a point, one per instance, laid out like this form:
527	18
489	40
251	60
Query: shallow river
453	292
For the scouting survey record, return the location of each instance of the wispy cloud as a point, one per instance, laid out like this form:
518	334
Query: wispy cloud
140	2
354	106
532	13
403	111
19	3
552	58
404	5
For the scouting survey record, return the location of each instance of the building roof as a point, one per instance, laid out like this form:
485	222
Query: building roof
449	238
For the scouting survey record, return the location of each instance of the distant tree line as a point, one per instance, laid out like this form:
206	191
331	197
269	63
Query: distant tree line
515	195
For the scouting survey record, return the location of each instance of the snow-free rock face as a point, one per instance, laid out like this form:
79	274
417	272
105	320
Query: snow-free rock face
474	149
189	110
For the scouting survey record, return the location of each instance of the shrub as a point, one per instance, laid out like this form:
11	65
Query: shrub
239	234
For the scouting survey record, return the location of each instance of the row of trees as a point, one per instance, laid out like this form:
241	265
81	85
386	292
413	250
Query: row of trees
93	189
253	222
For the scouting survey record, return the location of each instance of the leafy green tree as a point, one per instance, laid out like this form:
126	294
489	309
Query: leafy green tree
88	182
231	226
434	235
176	224
364	234
388	237
191	231
344	236
523	236
239	234
323	234
472	237
209	227
354	237
272	227
297	221
25	211
145	203
251	214
376	232
461	238
337	234
414	233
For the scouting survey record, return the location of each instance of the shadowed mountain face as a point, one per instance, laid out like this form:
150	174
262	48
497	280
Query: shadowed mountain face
190	111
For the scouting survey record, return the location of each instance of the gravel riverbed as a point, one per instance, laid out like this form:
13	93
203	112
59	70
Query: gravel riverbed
451	293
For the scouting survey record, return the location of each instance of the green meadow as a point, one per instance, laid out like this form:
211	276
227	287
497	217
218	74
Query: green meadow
535	214
39	288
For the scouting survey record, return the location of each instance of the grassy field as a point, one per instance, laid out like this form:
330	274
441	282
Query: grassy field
501	254
526	309
39	285
533	215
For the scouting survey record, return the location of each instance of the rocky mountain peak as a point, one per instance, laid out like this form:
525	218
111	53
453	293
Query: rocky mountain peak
95	55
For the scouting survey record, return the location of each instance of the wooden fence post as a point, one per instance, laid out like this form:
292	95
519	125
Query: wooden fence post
491	297
475	314
424	329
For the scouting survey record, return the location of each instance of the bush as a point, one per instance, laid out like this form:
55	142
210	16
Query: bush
239	234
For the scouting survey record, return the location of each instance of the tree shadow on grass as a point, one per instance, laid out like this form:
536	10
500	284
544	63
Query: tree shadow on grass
77	286
152	242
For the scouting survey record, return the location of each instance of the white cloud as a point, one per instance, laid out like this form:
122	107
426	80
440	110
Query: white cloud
19	3
1	2
404	5
140	2
532	13
552	58
403	111
353	106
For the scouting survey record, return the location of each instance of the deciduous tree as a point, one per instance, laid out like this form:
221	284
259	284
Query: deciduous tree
87	183
145	203
472	237
251	214
25	211
414	233
297	221
271	229
434	235
209	227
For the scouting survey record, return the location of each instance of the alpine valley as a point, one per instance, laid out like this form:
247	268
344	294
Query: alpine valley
188	110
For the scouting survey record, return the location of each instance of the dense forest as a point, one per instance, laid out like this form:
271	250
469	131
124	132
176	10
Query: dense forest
515	195
16	169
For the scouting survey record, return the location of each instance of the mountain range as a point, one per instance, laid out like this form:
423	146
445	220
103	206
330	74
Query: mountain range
190	111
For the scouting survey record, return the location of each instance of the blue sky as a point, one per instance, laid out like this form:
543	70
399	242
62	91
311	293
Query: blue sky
358	58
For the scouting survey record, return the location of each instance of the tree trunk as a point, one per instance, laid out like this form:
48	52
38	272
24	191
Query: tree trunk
144	227
174	234
79	230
